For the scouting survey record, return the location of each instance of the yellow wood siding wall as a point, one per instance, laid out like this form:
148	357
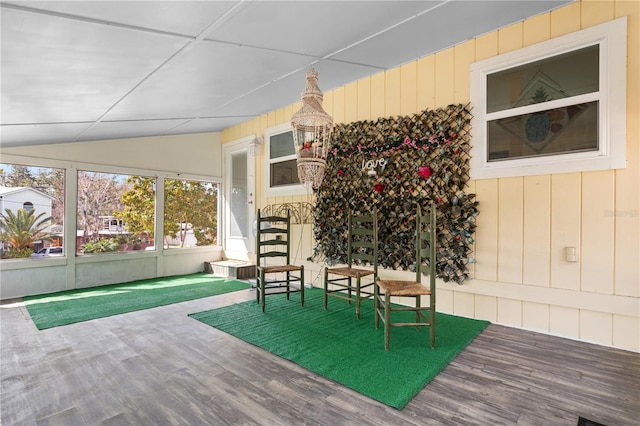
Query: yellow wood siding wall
521	277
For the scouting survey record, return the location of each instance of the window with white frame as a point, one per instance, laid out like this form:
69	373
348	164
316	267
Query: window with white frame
557	106
280	163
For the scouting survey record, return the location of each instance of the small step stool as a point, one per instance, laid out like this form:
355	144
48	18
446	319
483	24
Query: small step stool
238	269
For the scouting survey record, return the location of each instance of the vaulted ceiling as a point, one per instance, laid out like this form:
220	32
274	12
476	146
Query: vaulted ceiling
99	70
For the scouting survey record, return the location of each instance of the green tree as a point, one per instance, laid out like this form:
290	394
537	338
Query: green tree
18	176
187	205
192	204
138	213
23	228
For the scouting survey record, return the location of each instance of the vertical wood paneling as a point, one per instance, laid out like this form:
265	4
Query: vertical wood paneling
444	73
351	102
408	88
627	197
392	92
486	253
510	38
486	308
536	29
596	327
463	304
279	116
537	230
597	231
464	56
364	99
510	312
444	302
626	332
378	95
338	105
564	322
597	12
426	85
565	229
535	316
566	19
486	46
327	103
510	214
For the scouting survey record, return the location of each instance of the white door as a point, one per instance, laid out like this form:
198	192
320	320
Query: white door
239	200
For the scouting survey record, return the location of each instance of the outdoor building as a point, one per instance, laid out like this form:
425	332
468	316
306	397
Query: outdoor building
552	191
25	198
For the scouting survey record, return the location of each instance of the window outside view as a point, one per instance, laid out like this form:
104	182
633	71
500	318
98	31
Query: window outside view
116	212
31	209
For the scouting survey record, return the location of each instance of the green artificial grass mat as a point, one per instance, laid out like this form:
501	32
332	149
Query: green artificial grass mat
336	345
71	306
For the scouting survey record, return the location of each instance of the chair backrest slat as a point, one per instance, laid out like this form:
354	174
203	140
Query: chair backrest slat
273	232
426	245
362	244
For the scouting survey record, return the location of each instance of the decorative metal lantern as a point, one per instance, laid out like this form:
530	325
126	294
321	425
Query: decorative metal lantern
312	128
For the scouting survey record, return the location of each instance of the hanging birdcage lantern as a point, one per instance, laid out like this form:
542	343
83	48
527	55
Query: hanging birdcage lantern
312	128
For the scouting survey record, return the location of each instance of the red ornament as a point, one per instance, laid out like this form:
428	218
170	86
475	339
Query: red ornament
424	172
340	172
378	187
438	200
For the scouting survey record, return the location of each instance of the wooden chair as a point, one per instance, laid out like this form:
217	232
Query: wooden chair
386	289
274	271
362	246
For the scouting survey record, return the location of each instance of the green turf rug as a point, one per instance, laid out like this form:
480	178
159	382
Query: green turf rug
71	306
336	345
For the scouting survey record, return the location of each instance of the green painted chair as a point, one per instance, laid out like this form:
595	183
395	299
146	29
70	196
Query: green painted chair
362	247
386	289
274	272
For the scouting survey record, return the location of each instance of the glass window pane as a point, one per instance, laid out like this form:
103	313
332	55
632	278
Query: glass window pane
284	173
115	212
190	213
562	130
31	192
570	74
281	145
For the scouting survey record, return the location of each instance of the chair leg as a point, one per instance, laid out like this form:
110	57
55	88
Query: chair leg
418	312
432	327
387	320
302	285
349	289
288	284
376	305
326	287
358	298
263	290
258	286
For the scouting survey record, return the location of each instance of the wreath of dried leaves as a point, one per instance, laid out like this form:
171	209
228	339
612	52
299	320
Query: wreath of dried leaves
424	157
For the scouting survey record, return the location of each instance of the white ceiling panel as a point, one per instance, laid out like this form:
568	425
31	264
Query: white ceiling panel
97	70
196	84
188	18
59	70
127	129
38	134
316	28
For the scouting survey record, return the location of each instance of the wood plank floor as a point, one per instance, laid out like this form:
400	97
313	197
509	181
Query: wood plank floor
160	367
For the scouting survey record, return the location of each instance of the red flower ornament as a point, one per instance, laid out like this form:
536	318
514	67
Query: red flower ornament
424	172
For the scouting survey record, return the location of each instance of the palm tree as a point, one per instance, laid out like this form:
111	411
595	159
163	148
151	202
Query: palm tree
21	230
